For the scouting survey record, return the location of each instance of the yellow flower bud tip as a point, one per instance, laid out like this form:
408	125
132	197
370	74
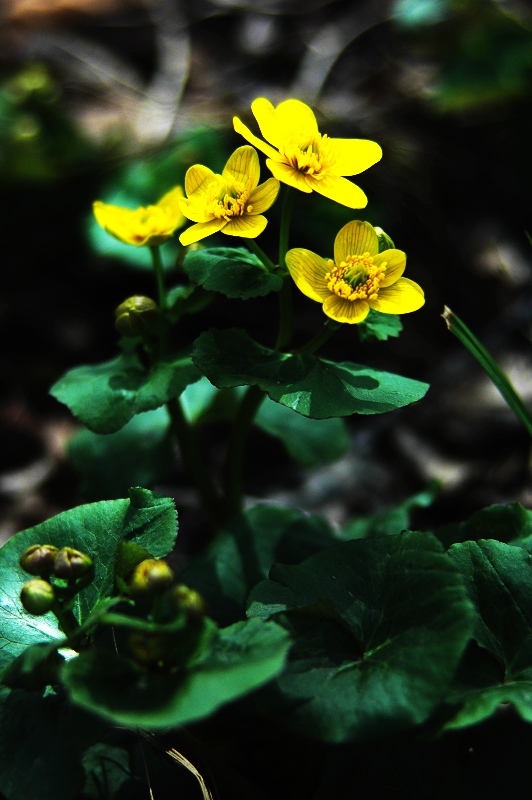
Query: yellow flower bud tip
190	601
151	576
145	226
37	597
39	559
71	564
136	316
148	648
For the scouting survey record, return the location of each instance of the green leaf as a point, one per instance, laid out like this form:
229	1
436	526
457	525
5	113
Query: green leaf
241	555
233	271
381	625
509	523
308	441
188	299
106	396
309	385
96	529
389	521
379	326
42	740
107	768
241	658
498	578
197	399
137	455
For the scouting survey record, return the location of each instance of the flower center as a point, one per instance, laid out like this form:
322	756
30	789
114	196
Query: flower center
310	158
356	278
226	200
149	221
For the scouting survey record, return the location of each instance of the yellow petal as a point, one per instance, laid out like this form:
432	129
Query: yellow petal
194	209
401	298
308	272
352	156
355	239
170	205
197	179
243	166
122	223
201	230
294	118
395	261
248	227
264	196
340	190
244	131
264	113
342	310
288	175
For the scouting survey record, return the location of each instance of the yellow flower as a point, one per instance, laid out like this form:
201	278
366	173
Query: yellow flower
232	202
151	226
305	158
358	279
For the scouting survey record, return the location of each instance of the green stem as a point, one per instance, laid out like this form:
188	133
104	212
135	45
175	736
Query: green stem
319	338
259	252
192	459
492	369
234	493
157	262
285	295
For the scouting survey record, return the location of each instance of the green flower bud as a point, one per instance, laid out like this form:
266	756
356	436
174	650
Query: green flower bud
190	601
148	648
70	563
37	597
136	316
385	241
39	559
151	576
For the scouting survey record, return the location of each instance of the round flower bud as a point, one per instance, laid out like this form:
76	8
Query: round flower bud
385	241
190	601
37	597
151	576
148	648
136	316
39	559
70	563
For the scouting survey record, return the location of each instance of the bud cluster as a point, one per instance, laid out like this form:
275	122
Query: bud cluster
50	564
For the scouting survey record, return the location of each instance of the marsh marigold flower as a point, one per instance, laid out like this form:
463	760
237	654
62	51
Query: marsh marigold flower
359	278
150	226
303	157
232	202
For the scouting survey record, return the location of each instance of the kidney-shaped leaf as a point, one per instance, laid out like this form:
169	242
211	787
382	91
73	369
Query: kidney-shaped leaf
241	658
498	579
233	271
106	396
381	625
309	385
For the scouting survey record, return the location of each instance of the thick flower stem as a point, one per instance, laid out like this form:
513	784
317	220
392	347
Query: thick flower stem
285	295
261	255
234	492
494	372
319	338
159	275
192	459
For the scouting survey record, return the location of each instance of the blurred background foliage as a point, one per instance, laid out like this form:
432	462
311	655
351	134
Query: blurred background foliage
115	99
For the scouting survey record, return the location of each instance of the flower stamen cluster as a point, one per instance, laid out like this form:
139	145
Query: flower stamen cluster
356	278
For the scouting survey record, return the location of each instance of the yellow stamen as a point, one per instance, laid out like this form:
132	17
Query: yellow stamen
356	278
311	158
228	200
